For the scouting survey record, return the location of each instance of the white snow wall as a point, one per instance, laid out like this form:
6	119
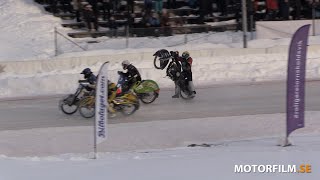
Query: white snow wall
283	29
211	66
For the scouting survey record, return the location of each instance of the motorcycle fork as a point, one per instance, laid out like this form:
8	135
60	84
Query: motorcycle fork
88	101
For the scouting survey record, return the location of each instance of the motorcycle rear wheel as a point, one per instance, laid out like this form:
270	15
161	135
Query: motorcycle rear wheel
129	109
186	95
87	110
148	98
155	62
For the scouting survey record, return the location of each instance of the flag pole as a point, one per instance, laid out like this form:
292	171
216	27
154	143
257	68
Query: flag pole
313	18
55	42
286	141
95	140
244	23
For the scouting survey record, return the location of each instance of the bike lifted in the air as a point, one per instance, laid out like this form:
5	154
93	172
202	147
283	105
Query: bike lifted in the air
161	60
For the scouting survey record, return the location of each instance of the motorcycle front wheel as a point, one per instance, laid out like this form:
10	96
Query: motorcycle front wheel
66	106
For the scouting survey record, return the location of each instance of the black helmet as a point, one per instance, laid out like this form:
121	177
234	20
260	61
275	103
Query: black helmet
176	54
86	71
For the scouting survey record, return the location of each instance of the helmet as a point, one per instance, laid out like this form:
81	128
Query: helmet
185	55
175	54
86	71
125	64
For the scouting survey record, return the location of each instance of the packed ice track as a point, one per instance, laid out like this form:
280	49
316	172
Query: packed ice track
214	101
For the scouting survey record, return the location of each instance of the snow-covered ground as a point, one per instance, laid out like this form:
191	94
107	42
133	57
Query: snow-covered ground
182	162
27	33
216	162
155	134
26	30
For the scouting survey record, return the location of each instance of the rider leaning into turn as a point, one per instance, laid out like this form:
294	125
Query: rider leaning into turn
112	88
186	64
132	74
112	93
91	78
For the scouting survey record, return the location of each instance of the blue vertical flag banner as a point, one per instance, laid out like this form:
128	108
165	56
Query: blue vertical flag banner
296	79
101	104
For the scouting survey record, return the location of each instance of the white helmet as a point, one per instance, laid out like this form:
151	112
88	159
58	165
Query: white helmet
124	64
185	55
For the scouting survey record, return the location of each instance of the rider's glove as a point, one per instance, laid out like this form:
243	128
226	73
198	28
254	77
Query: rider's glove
88	88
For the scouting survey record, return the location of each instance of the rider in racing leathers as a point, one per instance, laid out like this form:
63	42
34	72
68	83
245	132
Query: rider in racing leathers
132	74
186	63
92	79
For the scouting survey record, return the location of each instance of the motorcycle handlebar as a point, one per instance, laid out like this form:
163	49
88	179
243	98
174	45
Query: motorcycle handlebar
82	81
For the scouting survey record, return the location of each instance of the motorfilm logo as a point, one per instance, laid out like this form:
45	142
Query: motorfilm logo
303	168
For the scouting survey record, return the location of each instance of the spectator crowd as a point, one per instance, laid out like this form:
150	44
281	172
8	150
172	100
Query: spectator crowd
161	13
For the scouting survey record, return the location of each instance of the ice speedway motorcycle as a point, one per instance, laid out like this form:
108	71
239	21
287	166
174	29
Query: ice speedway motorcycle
126	103
85	100
146	90
70	104
161	60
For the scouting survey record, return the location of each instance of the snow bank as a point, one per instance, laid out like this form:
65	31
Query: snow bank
67	62
283	29
210	67
26	31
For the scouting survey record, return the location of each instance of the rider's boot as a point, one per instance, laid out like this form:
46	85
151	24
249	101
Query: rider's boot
177	91
111	110
176	96
191	88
